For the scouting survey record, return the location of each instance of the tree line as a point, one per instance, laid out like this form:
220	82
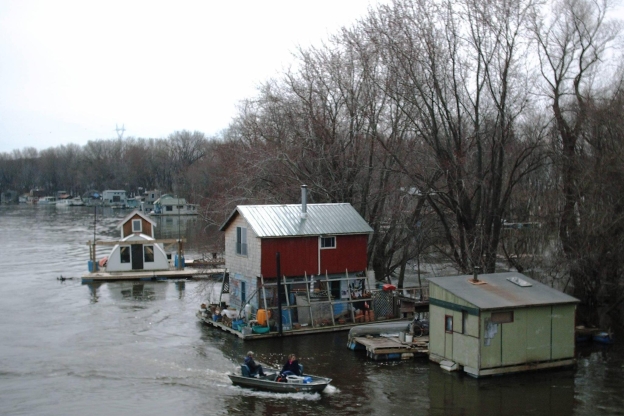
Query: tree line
478	133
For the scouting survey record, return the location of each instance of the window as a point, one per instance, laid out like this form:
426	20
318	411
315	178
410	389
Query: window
241	241
502	317
464	321
148	254
169	208
448	323
136	226
328	242
125	254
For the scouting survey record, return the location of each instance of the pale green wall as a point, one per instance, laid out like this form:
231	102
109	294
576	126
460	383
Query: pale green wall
537	334
436	330
563	331
514	338
461	348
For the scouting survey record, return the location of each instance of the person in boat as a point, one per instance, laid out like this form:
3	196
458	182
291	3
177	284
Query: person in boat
291	368
253	367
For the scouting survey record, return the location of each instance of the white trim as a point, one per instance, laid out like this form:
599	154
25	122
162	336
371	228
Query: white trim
328	248
140	228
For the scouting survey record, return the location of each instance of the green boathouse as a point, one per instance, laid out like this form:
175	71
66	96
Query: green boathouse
499	323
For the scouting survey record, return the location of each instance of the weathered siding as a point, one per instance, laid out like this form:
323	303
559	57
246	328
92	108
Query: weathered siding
146	227
298	255
538	333
514	339
465	350
436	330
563	331
491	347
462	345
349	254
248	265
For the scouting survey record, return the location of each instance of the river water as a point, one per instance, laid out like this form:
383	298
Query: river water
124	348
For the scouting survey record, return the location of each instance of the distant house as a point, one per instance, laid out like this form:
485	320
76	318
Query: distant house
147	205
114	198
323	240
138	250
499	323
170	205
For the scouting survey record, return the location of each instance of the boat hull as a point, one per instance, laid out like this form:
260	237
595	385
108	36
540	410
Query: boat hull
268	383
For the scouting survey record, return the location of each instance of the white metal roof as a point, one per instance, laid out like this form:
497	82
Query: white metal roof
498	290
285	220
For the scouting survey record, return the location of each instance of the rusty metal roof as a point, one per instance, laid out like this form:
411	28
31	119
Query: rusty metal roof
498	290
286	220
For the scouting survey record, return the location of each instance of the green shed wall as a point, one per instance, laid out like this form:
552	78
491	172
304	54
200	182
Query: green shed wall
461	345
540	333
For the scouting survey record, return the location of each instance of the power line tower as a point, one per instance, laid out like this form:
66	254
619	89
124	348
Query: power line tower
120	131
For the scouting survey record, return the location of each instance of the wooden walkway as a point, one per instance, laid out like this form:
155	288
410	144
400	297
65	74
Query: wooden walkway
285	333
172	273
390	348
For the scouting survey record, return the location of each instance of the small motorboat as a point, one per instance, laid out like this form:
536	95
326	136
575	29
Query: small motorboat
603	337
269	382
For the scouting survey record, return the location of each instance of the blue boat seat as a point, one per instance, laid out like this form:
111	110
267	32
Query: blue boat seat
245	371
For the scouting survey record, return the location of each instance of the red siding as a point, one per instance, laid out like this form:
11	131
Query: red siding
349	254
297	255
300	255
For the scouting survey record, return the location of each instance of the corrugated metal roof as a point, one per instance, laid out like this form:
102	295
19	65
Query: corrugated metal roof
285	220
498	292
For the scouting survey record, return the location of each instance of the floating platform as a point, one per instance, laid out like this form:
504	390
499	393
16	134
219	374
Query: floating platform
187	273
304	330
390	348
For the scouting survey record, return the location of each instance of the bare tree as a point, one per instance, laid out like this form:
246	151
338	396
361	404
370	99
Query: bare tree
573	40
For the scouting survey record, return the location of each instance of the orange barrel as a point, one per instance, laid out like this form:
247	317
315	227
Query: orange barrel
261	317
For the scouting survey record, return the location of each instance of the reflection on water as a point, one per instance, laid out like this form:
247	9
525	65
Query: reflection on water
549	392
93	290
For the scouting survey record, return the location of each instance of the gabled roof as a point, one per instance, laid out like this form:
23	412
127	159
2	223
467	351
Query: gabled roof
498	291
286	221
132	214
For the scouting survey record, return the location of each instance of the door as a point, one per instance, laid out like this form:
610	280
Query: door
137	256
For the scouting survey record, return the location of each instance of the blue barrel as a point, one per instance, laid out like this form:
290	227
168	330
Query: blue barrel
93	267
176	262
285	318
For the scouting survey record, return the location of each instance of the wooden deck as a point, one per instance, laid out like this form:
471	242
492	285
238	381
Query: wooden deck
172	273
285	333
391	348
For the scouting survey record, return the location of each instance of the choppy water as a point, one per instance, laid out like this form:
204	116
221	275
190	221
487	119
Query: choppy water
137	349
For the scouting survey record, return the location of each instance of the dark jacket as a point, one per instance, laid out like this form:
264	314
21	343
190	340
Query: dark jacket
253	367
293	367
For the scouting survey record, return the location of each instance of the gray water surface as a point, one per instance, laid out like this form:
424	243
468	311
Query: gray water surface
124	348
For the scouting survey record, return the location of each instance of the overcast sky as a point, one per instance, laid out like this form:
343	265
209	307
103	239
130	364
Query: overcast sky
72	71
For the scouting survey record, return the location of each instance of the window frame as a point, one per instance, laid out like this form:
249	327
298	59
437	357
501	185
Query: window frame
324	239
124	254
502	317
464	321
241	241
448	328
137	221
146	255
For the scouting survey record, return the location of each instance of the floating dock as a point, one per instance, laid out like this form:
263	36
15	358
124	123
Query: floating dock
391	348
155	275
304	330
